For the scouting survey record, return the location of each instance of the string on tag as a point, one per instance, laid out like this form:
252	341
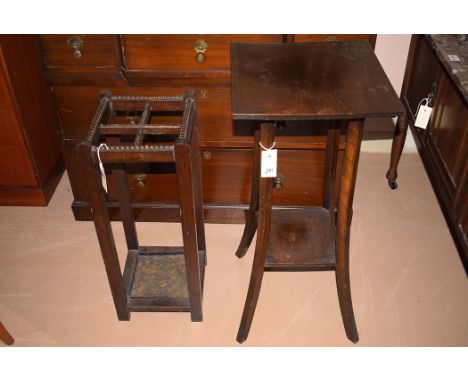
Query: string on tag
268	161
428	101
423	113
101	167
264	148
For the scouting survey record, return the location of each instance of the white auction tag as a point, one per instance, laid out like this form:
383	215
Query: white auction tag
422	118
269	160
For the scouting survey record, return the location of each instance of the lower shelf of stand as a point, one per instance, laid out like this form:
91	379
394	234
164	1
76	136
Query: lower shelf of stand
300	239
156	281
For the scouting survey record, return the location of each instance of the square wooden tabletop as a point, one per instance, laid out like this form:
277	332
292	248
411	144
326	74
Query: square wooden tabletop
320	80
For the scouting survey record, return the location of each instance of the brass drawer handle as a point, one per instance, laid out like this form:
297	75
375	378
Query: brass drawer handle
140	178
331	38
131	119
200	46
278	183
76	43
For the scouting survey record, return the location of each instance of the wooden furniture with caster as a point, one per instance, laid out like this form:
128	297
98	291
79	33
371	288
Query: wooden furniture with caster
31	164
443	145
341	84
78	66
163	132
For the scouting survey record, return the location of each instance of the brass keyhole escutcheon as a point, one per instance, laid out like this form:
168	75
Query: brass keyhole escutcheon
204	95
200	46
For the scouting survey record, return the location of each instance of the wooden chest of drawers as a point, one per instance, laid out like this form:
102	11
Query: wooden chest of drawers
30	161
80	67
443	146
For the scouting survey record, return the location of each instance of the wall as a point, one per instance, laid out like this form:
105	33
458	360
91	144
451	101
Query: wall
392	52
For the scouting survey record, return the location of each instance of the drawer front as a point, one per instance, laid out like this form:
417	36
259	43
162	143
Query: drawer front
146	52
77	105
334	37
226	177
81	53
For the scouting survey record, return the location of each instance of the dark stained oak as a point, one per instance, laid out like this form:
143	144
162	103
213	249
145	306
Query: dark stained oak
334	80
292	247
343	226
340	84
397	148
154	278
331	160
98	199
166	64
263	230
126	212
334	37
251	213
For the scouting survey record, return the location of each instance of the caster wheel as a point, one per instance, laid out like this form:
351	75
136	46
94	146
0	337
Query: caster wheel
393	184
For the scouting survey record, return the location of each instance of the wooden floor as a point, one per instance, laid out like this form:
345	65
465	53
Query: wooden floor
407	282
